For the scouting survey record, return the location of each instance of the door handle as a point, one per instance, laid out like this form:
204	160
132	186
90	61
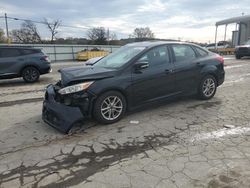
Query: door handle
20	59
198	63
168	71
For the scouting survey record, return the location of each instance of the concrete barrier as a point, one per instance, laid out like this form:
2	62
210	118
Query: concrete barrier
64	52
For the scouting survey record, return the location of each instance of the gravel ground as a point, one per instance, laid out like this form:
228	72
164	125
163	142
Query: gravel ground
184	143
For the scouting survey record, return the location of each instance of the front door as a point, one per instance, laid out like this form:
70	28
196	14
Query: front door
157	80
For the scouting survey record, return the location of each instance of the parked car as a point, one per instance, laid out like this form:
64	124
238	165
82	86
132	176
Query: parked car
28	63
85	55
221	44
244	50
134	75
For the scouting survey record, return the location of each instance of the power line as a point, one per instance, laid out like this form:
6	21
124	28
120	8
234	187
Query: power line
42	22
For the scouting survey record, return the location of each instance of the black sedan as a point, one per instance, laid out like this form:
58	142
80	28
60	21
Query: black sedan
134	75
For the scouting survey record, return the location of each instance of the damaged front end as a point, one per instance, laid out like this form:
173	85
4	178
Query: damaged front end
63	111
70	100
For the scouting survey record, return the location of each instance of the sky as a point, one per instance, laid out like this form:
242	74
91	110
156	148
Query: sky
192	20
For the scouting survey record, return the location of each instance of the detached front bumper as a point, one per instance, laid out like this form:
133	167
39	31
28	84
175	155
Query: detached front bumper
58	115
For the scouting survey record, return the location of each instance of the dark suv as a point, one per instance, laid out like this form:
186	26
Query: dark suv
243	50
28	63
132	76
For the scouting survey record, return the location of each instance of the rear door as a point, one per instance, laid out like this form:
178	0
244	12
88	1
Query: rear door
187	67
10	61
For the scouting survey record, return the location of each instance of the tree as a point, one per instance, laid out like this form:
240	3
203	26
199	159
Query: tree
112	36
97	35
143	33
53	28
2	38
28	33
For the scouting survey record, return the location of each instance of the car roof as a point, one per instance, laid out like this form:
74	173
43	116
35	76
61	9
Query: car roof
149	44
19	47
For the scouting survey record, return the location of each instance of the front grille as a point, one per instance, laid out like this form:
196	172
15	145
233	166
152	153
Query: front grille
57	87
243	50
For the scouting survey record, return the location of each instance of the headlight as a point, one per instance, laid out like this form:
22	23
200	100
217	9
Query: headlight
75	88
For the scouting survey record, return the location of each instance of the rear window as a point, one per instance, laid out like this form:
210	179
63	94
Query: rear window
183	52
8	52
201	52
30	51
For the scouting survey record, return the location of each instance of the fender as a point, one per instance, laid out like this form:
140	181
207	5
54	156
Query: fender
209	69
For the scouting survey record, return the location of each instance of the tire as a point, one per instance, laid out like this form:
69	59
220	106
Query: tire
237	56
30	74
207	87
109	107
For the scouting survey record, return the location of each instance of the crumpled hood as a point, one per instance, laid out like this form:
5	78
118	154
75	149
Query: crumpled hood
84	73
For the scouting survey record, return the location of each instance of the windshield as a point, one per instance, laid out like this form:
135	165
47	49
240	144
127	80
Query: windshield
119	57
247	42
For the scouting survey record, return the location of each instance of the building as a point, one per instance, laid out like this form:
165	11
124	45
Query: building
242	29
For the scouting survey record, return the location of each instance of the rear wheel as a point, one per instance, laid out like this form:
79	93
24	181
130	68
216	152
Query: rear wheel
109	107
30	74
207	87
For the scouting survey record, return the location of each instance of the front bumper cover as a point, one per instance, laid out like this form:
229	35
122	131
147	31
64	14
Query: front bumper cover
58	115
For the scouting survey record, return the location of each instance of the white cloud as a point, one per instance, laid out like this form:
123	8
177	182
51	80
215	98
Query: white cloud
152	6
13	10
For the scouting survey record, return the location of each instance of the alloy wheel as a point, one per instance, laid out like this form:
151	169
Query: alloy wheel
208	87
30	74
111	108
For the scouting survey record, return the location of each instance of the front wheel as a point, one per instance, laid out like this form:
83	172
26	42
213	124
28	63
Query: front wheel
237	56
109	107
207	87
30	74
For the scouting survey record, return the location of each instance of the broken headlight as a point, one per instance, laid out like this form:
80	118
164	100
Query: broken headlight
75	88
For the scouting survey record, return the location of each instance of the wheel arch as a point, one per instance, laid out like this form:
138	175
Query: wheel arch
120	90
26	66
211	70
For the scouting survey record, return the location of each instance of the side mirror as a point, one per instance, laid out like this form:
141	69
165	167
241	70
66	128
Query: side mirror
139	65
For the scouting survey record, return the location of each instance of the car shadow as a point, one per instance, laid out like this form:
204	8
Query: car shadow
189	103
161	103
246	57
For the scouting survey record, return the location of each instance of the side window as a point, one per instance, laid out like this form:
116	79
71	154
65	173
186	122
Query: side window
201	52
28	51
183	52
156	56
8	52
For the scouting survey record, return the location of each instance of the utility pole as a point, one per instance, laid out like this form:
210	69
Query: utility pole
108	35
6	22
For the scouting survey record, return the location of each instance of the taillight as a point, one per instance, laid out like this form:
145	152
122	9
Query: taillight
220	59
45	58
